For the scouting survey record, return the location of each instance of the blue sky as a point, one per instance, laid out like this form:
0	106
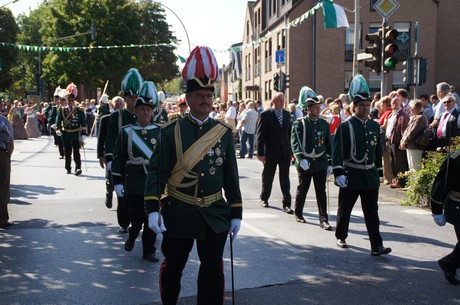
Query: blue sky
214	23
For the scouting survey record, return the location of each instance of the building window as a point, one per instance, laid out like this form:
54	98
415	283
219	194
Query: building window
374	81
347	79
350	41
398	80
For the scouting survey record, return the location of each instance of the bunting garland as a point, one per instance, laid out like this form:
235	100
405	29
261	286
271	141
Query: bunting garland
303	18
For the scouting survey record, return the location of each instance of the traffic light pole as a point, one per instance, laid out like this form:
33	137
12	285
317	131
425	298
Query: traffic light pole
417	62
383	75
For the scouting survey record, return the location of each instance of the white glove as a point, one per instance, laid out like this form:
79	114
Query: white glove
341	181
329	170
153	223
119	190
235	225
304	164
439	219
83	138
109	166
58	133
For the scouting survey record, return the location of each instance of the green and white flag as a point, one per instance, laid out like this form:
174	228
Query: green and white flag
334	15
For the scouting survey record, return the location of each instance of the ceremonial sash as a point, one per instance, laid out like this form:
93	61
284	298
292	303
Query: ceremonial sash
188	159
135	139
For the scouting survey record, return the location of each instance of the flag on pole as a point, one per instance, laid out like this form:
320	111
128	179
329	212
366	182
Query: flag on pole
334	15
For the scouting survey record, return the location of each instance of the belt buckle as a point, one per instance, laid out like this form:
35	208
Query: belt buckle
199	201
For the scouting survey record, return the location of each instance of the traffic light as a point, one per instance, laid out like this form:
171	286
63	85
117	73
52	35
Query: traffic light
408	71
375	49
390	47
93	32
421	71
276	82
284	82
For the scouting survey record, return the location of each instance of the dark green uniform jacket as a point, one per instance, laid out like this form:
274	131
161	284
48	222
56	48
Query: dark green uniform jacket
445	192
133	150
357	153
311	140
72	123
217	170
115	125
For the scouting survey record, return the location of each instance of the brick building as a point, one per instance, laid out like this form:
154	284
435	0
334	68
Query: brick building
323	58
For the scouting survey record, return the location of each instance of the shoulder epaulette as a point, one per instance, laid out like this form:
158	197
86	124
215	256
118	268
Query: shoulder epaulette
165	125
81	109
225	124
455	154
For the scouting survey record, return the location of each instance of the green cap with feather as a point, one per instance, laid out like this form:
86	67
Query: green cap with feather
131	83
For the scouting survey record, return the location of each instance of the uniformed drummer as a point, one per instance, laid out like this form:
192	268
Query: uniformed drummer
133	150
71	122
311	146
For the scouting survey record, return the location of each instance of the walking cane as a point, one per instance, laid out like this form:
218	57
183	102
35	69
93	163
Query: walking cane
231	265
327	190
84	156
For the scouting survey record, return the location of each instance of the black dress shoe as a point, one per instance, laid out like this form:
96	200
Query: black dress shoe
287	210
129	244
300	219
380	250
69	172
325	225
6	224
150	257
123	230
264	204
341	243
78	172
449	272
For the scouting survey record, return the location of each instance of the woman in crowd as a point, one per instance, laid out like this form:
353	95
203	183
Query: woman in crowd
15	117
417	124
31	122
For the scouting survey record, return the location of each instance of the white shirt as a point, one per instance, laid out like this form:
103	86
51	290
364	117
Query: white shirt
231	113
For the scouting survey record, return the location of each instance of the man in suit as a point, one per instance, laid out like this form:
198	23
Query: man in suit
448	122
117	103
397	123
274	149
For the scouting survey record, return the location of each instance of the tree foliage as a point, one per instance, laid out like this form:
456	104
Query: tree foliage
118	22
8	33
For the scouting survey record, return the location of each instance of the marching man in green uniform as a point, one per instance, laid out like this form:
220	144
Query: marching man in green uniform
183	195
71	123
445	197
61	102
357	164
130	85
133	150
311	146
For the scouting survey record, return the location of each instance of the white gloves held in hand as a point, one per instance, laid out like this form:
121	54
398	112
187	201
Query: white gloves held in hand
341	181
109	166
83	138
119	190
304	164
439	219
235	225
154	219
329	170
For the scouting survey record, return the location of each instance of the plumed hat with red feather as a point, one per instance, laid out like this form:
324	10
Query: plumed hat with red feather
201	70
71	91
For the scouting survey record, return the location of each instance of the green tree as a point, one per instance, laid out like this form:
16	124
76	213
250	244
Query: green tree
118	22
8	33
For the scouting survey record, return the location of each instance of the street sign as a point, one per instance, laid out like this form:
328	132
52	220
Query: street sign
363	56
280	56
403	37
386	7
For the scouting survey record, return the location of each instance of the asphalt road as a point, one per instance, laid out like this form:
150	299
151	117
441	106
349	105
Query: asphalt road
64	247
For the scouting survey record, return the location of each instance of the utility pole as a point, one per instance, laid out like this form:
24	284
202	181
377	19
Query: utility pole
356	37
